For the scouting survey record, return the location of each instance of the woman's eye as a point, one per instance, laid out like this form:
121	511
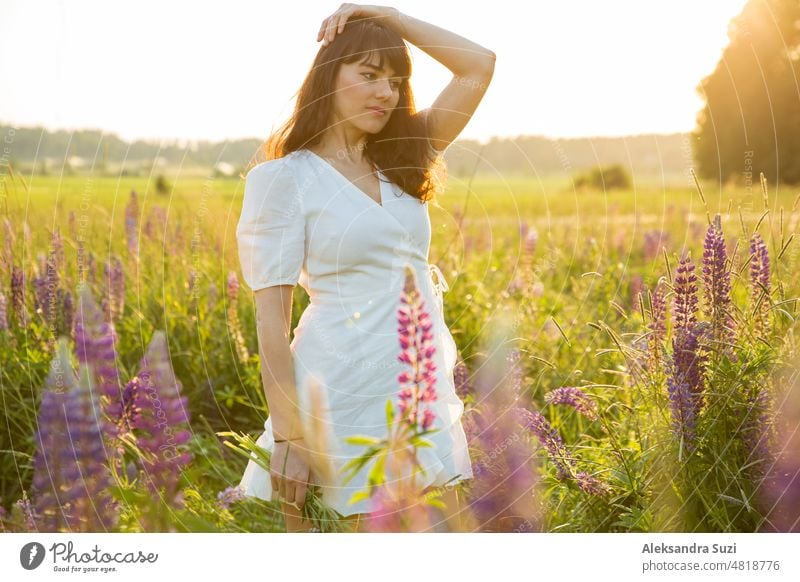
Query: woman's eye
395	84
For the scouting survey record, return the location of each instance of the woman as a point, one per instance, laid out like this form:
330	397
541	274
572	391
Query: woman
340	206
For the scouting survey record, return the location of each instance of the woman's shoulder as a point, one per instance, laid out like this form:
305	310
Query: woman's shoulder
283	172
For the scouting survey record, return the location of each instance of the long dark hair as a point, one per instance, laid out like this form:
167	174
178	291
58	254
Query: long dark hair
401	149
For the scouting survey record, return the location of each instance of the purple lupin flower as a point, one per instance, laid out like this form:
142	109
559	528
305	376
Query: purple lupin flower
685	381
685	300
115	288
760	283
717	286
574	397
28	512
131	225
95	346
657	327
46	286
549	438
160	419
502	497
229	496
418	385
461	378
18	295
71	478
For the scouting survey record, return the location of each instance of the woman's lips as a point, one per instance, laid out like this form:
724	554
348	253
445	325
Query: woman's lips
377	110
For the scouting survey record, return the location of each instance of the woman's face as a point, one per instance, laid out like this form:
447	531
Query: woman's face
360	87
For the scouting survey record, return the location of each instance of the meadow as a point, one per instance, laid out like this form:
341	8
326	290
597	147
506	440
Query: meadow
627	358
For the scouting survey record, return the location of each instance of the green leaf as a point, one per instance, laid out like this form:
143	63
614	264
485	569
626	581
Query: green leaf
366	441
389	412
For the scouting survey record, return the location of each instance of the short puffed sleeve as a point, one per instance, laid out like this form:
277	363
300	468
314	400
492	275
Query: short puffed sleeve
271	229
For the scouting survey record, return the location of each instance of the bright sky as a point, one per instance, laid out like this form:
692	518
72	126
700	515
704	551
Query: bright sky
225	70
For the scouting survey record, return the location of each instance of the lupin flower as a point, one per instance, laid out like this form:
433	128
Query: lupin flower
461	378
549	438
574	397
115	288
233	317
229	496
418	385
657	327
18	295
28	512
158	415
47	284
502	496
685	300
685	381
71	478
717	285
760	283
95	345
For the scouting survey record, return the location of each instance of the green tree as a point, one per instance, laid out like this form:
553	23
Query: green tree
751	118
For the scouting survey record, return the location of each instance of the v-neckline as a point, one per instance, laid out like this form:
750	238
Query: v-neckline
346	179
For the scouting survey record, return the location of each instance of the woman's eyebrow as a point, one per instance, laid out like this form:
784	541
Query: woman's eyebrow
375	68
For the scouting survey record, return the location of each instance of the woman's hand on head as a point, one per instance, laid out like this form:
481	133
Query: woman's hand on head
334	24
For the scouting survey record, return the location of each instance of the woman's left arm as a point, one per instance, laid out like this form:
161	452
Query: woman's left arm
471	64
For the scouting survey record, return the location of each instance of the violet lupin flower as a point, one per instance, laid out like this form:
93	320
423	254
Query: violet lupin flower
71	478
229	496
160	419
418	385
115	288
685	381
574	397
18	295
685	300
760	283
461	379
549	438
95	345
717	286
502	497
657	327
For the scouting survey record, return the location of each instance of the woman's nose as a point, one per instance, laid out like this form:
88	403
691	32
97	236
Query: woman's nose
385	89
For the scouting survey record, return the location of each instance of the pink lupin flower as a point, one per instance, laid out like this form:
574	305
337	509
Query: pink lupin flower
416	340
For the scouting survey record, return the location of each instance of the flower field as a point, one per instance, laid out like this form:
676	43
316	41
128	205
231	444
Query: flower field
627	360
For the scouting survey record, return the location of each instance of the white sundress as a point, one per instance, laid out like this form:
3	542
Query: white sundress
302	221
